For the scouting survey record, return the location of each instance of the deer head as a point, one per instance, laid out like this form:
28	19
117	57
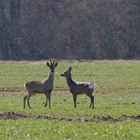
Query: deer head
52	64
67	73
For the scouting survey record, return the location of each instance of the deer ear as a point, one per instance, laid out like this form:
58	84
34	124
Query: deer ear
48	64
70	68
56	64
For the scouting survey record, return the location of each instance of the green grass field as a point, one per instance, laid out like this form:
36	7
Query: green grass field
117	102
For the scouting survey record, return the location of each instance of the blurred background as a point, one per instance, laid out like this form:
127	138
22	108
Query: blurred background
69	29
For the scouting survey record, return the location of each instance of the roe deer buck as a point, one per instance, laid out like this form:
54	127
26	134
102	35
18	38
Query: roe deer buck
77	88
41	87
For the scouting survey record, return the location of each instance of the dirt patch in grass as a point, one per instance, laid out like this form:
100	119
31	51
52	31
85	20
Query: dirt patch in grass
17	90
15	116
11	89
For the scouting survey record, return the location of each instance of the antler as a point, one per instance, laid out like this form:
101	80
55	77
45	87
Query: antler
52	61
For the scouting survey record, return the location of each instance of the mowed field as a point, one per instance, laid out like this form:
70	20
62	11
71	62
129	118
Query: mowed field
117	102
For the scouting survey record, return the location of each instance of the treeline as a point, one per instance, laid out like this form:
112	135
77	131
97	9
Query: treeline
87	29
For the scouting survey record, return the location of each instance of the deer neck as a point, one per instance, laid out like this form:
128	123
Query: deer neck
70	82
51	77
49	81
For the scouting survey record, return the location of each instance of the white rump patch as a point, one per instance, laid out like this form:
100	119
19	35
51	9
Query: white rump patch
92	85
80	82
25	85
43	81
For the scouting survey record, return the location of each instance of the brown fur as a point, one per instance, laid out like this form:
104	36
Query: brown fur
41	87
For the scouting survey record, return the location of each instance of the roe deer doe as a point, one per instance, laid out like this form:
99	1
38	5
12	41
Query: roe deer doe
41	87
77	88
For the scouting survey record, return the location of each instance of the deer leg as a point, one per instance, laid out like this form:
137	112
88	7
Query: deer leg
74	100
24	100
91	100
28	98
49	98
46	100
